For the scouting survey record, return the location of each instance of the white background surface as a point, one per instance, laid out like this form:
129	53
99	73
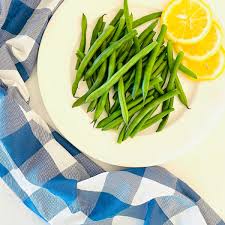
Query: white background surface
203	169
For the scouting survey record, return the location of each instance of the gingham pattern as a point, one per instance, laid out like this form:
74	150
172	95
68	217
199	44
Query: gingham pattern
52	177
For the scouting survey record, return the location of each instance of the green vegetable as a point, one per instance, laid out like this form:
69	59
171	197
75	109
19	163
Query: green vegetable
121	135
98	82
138	71
113	80
147	31
142	123
96	30
151	62
105	98
122	100
164	75
83	38
159	61
146	19
107	52
148	40
89	56
169	104
117	18
119	29
116	114
92	106
131	112
147	109
156	118
188	72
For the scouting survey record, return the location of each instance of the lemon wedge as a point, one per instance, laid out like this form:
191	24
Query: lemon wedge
188	21
210	68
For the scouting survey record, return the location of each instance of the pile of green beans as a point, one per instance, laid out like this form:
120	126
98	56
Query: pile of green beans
137	69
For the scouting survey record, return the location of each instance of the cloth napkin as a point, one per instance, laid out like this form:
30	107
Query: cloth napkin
50	176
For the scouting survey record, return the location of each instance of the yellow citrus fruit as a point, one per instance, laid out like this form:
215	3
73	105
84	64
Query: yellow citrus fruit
188	21
205	48
210	68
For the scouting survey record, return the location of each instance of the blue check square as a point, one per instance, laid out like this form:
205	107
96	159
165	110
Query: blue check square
22	144
17	17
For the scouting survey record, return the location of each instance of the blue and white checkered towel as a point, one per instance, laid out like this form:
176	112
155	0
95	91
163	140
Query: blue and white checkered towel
52	177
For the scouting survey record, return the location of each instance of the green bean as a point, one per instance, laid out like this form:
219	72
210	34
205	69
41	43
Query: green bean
174	71
159	53
123	57
162	49
103	99
119	29
159	89
127	16
115	106
80	55
98	82
116	114
115	78
147	31
178	85
188	72
131	53
121	135
148	40
112	64
159	70
138	74
117	18
169	104
107	105
89	83
129	82
147	109
159	61
127	76
122	100
182	67
170	55
182	96
131	112
109	39
138	77
166	118
96	30
164	75
89	56
125	48
105	54
152	84
119	66
151	62
92	106
102	27
100	107
146	19
173	76
142	123
156	118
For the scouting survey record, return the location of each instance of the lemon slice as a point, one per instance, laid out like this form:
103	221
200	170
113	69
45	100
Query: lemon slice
205	48
188	21
210	68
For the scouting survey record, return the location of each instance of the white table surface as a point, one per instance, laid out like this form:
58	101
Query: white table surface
203	169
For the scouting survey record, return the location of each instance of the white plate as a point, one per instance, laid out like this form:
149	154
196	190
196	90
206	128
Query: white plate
55	72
